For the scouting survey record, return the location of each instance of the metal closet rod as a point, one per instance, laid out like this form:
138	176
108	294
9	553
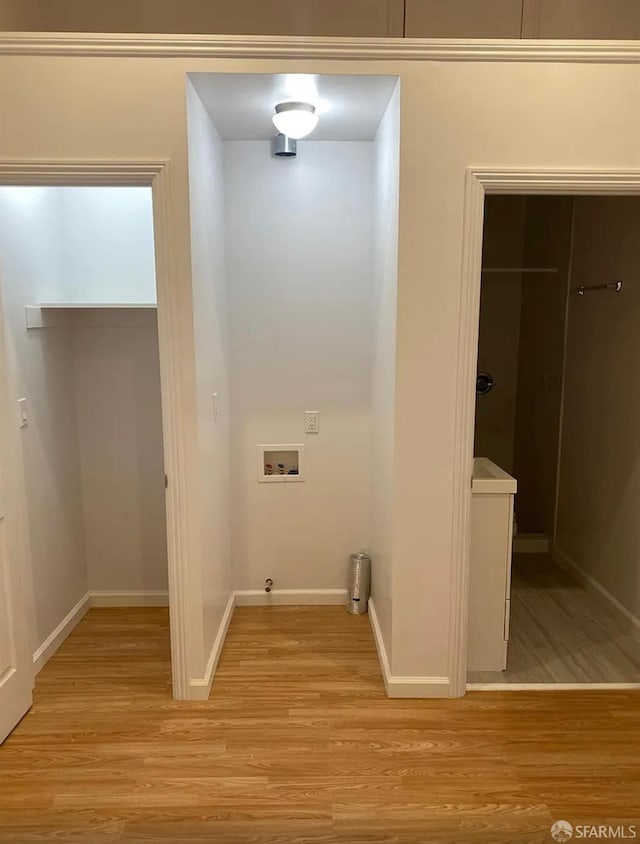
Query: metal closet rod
615	286
520	269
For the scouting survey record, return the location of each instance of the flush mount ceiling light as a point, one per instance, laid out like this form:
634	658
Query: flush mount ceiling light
295	119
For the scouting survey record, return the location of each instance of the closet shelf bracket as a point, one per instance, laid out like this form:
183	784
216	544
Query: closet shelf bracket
36	317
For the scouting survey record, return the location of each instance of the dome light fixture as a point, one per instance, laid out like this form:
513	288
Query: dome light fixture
295	119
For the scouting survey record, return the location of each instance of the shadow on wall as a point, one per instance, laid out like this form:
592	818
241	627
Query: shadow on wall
522	325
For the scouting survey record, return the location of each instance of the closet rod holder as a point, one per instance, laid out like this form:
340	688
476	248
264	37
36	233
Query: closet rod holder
615	286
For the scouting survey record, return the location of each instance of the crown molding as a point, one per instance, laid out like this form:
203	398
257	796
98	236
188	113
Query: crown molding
285	47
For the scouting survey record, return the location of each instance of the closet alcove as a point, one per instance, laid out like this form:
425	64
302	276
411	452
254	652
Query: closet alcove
79	306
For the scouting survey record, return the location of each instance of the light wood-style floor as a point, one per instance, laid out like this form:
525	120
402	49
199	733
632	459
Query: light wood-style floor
562	633
299	744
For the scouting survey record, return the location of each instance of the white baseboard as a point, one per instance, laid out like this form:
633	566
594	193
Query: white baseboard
566	562
404	687
383	659
419	687
93	599
129	599
53	641
290	597
200	688
530	543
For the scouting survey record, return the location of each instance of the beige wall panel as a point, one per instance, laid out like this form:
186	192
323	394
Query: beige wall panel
209	286
542	326
605	19
463	18
248	17
17	15
599	495
116	366
32	260
383	385
500	303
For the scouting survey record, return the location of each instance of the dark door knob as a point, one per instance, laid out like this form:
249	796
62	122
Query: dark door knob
484	383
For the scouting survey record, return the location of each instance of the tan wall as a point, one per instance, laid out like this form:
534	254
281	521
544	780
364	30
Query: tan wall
581	19
373	18
500	303
599	496
542	327
463	18
248	17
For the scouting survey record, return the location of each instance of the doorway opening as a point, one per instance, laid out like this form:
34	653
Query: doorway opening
79	307
554	594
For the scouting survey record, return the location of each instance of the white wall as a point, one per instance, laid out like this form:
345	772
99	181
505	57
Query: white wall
599	493
110	117
119	422
299	246
385	279
31	267
207	193
456	114
107	242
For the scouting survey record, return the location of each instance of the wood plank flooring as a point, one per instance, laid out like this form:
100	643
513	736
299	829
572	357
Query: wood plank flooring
563	633
298	743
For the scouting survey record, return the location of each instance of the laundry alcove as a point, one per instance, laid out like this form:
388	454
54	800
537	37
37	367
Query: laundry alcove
295	263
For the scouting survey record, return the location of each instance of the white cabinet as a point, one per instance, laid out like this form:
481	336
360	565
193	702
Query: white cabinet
492	497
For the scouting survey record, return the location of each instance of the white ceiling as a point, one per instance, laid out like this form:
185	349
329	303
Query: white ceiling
241	104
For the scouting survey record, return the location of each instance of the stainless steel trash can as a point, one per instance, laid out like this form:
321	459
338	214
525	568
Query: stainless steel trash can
359	583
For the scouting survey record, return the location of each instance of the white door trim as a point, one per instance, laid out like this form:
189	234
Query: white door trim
154	174
305	48
478	183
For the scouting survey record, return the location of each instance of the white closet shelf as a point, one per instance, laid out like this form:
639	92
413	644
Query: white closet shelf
94	305
36	315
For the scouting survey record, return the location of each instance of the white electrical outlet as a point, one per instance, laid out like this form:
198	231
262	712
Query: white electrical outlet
312	421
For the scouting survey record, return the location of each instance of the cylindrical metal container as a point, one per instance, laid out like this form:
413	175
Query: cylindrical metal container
284	147
358	583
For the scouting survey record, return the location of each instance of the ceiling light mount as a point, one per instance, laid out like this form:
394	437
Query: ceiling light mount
284	147
295	119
